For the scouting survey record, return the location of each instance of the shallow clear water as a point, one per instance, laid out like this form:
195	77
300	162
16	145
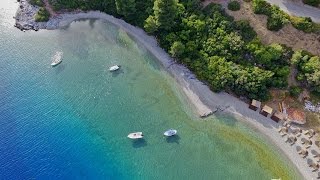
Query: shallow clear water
71	122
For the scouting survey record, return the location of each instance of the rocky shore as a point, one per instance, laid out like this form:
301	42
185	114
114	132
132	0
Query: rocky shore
25	18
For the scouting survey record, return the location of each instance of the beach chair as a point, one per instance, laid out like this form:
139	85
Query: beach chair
292	143
304	155
314	167
306	132
308	146
283	134
310	136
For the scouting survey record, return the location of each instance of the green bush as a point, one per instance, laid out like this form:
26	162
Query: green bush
37	3
42	15
234	6
261	7
245	30
312	2
277	19
304	24
295	91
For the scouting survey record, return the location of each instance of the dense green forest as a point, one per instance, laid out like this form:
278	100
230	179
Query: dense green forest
225	54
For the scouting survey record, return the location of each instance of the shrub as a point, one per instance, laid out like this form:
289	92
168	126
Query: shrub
42	15
295	91
304	24
261	7
312	2
234	6
245	30
277	19
37	3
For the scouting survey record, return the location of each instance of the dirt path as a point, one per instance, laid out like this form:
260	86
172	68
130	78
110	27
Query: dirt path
49	8
287	35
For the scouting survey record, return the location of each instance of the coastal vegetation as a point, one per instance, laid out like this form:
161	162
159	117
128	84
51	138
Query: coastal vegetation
234	6
309	69
278	18
312	2
224	53
42	15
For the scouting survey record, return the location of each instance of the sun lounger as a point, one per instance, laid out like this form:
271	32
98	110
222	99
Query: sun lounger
310	136
283	134
304	156
292	143
314	167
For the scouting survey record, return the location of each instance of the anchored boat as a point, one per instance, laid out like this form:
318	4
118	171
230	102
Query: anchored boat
135	135
56	59
170	132
114	68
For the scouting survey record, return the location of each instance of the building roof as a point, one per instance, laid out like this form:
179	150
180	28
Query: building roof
267	109
256	103
279	115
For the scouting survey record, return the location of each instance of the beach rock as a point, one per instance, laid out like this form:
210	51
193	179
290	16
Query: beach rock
25	16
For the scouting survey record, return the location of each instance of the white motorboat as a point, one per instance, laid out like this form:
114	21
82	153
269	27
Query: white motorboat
135	135
114	68
56	59
170	132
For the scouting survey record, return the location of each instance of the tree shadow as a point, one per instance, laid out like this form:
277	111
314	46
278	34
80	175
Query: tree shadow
173	139
139	143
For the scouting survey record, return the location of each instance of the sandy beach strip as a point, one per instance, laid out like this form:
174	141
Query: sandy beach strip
197	93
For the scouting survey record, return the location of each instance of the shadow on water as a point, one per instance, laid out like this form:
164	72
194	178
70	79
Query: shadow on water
173	139
117	73
60	68
139	143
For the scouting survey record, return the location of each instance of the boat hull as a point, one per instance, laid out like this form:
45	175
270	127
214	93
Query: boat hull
170	132
56	64
135	135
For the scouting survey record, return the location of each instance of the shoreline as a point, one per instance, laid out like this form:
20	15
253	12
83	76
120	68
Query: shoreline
197	93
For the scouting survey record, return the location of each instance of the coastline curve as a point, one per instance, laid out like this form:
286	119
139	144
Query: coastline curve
198	94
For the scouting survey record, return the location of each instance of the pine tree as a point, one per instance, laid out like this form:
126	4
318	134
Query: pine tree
127	8
165	12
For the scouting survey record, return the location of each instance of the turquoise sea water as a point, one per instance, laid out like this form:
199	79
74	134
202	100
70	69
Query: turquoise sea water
71	122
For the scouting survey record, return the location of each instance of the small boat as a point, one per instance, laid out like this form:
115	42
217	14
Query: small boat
170	132
57	59
135	135
114	68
